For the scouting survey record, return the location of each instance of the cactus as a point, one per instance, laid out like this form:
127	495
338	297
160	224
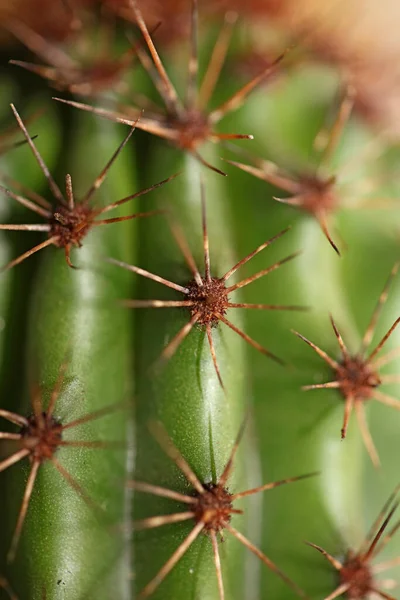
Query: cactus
145	447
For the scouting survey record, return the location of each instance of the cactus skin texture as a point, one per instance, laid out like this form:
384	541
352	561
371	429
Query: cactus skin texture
191	397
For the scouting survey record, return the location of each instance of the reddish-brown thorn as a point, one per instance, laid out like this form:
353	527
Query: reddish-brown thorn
28	193
339	124
386	565
50	53
172	561
250	341
9	436
390	378
232	136
377	523
322	220
382	545
7	588
151	126
383	340
377	363
240	96
356	574
156	303
314	193
270	173
383	594
385	399
141	486
23	510
25	255
226	473
14	418
217	60
348	407
55	190
186	252
39	438
334	562
161	520
98	111
369	332
101	412
320	386
176	341
339	338
187	125
207	164
206	246
162	437
262	273
267	561
69	222
86	75
332	363
138	194
49	73
169	96
4	148
150	213
148	275
266	306
7	136
193	66
101	177
357	380
246	259
273	485
43	212
213	355
212	509
372	548
14	458
217	562
207	296
341	589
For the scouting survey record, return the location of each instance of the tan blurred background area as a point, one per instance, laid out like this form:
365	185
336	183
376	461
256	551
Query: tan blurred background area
360	35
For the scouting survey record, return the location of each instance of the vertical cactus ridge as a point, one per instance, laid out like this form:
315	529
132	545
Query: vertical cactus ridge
79	297
208	428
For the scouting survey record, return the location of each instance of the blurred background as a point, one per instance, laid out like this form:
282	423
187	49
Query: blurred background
361	36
